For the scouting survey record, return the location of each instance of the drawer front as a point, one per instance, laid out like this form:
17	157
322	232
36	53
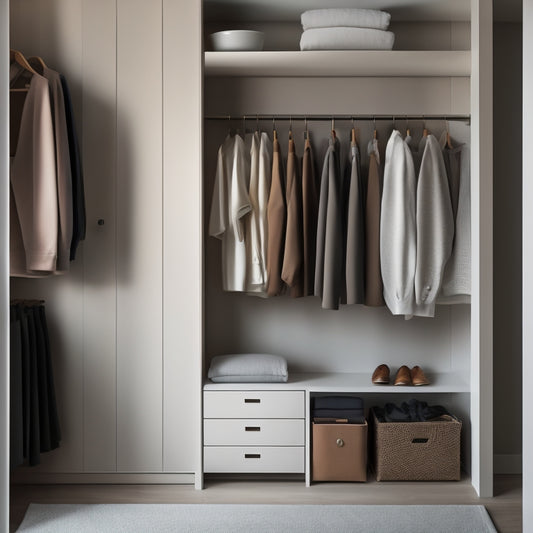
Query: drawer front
254	432
240	459
254	404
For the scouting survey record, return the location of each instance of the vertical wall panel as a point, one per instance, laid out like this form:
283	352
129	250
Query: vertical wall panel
99	158
482	235
4	267
139	236
182	344
527	279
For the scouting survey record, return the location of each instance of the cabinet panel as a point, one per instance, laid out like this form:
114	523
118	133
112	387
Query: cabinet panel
99	155
182	238
139	236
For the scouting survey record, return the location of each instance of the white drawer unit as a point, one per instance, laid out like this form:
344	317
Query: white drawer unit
254	404
261	459
254	432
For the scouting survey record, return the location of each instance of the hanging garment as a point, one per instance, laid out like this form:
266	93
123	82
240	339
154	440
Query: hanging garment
355	233
293	257
35	430
34	416
398	227
456	286
53	414
277	224
33	199
229	205
16	416
63	169
79	223
434	226
257	225
309	217
329	250
373	282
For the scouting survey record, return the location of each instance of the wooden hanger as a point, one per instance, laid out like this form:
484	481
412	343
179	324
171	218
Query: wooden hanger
274	132
306	135
38	63
448	138
18	57
290	128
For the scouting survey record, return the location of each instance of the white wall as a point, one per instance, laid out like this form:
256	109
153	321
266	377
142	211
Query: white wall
527	368
4	288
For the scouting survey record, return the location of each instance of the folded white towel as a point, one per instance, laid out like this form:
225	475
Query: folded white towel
342	38
358	18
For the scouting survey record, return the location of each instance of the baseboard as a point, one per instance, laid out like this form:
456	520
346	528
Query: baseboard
508	463
26	477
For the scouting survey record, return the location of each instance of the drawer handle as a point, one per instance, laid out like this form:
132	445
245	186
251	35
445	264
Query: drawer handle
340	443
252	456
419	441
252	428
252	400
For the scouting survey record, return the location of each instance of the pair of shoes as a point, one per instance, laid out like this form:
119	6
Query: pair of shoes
404	376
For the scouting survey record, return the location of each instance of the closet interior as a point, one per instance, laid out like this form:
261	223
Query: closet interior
136	322
430	73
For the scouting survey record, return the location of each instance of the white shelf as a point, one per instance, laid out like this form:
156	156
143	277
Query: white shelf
447	382
341	63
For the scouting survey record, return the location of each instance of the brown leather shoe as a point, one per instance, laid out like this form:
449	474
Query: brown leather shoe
403	376
381	375
418	377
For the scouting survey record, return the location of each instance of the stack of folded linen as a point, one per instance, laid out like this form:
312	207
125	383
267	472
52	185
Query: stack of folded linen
346	29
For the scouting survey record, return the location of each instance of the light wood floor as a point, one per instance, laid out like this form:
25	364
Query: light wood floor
505	508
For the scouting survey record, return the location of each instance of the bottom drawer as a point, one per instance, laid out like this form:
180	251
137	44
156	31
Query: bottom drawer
271	459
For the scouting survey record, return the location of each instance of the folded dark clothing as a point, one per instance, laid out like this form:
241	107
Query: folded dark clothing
338	402
339	420
357	415
411	411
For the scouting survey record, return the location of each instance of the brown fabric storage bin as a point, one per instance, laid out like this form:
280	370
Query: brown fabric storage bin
417	451
339	452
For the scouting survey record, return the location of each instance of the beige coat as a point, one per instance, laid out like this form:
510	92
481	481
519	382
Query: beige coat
34	213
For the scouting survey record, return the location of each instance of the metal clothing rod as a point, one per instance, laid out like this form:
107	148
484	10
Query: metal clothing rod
457	118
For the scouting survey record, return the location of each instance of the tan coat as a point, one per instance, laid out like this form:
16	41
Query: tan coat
293	260
277	220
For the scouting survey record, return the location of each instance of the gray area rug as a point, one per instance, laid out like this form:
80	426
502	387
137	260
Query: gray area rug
146	518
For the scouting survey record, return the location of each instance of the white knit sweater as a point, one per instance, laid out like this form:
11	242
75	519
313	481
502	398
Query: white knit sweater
398	227
434	225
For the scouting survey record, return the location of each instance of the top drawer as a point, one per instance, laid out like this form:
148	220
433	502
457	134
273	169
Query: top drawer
254	404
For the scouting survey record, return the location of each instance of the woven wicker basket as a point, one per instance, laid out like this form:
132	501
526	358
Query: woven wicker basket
417	451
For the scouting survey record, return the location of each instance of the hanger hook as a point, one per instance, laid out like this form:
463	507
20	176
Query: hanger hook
257	122
273	123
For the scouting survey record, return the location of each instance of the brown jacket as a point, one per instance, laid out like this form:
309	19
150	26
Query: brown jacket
277	220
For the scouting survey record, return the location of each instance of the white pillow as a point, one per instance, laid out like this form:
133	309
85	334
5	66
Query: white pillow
248	368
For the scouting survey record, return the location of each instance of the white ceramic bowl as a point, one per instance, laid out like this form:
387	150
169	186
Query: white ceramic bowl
237	40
